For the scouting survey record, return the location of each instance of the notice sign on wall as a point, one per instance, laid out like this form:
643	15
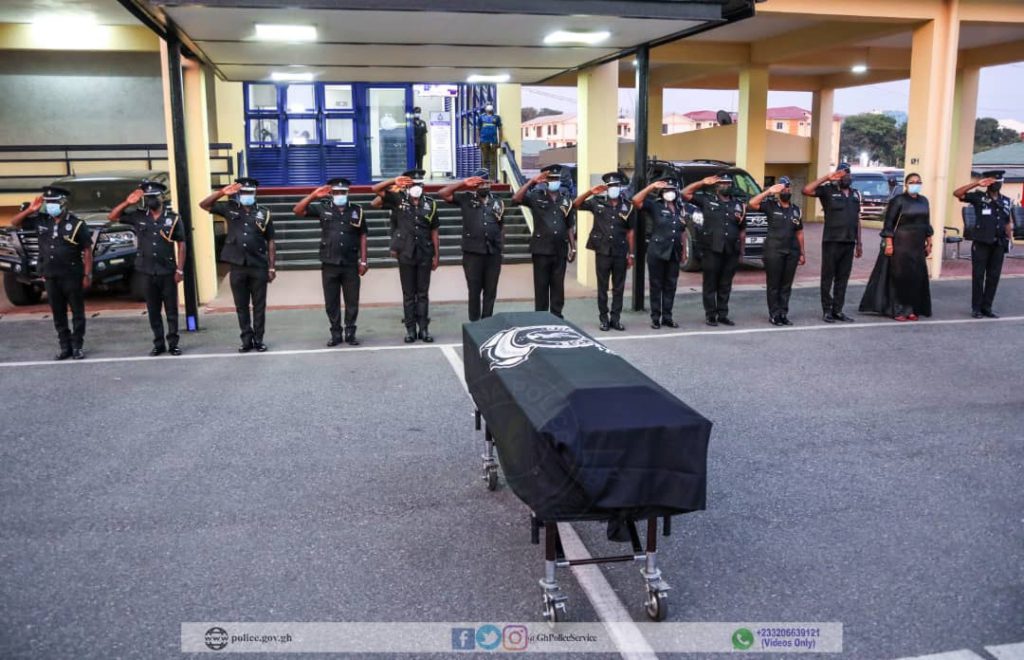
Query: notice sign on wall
441	142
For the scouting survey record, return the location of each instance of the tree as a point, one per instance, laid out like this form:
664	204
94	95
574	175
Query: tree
529	113
877	134
988	134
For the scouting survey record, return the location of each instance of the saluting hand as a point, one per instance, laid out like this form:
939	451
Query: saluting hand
710	180
403	181
474	181
986	182
835	176
776	189
36	204
658	185
231	189
322	191
135	196
599	189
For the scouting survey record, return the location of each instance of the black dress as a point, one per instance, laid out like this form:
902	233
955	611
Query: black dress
899	284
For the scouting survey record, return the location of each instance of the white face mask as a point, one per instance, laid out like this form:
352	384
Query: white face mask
614	192
340	200
53	209
554	186
247	200
415	191
416	115
669	196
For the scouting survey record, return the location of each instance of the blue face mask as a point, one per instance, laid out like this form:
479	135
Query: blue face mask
614	192
53	208
554	186
914	188
247	200
340	200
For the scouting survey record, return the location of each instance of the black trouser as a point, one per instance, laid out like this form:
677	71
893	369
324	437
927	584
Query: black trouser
719	269
65	291
489	159
664	276
986	266
482	271
415	278
612	267
549	283
250	283
338	281
836	264
162	295
421	151
779	272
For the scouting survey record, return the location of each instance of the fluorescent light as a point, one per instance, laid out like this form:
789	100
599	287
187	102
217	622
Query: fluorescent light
63	31
859	68
571	37
297	76
496	78
270	32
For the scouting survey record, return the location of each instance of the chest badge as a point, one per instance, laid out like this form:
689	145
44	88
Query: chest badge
67	227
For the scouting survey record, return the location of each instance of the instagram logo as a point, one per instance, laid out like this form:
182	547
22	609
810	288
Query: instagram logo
515	638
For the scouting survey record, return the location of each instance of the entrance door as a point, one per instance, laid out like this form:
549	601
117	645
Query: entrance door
386	133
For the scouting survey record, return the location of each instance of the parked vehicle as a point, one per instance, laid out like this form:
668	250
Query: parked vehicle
874	191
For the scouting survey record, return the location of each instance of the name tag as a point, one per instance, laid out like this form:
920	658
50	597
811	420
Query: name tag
986	211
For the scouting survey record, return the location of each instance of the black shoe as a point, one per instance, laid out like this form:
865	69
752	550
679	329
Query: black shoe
78	354
158	350
65	353
618	326
828	318
989	314
350	338
976	315
670	323
333	341
775	320
842	317
425	336
785	320
245	348
604	326
725	320
711	320
410	334
655	324
259	346
174	350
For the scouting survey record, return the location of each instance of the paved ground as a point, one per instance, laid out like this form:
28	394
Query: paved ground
868	474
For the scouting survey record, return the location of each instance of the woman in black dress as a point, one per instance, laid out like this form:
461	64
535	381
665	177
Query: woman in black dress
899	282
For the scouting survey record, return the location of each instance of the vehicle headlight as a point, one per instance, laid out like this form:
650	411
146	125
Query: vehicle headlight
6	241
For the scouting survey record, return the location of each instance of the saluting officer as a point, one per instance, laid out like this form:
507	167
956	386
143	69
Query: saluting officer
721	236
783	247
157	229
993	235
249	248
415	243
666	230
419	136
552	243
65	261
611	239
342	253
482	237
840	238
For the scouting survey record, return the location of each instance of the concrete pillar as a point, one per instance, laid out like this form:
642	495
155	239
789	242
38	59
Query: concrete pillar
930	125
823	160
965	110
751	135
510	108
197	141
230	114
597	147
655	118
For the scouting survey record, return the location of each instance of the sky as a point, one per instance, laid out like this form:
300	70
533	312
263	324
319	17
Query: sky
1000	95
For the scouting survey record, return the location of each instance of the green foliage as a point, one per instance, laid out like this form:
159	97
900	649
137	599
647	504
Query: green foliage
529	113
989	135
877	134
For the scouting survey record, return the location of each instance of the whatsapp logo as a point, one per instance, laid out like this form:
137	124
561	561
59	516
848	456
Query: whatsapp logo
742	639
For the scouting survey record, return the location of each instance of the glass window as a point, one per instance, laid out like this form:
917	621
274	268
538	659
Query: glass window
340	129
302	131
262	98
337	97
388	138
300	98
778	126
746	184
263	130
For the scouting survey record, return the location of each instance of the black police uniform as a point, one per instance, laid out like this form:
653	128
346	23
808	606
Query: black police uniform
781	254
719	238
155	262
990	243
246	248
411	227
341	232
62	242
553	219
838	243
482	239
665	225
613	220
419	134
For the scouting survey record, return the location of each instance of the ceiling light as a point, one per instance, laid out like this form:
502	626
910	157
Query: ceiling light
496	78
570	37
859	68
270	32
297	76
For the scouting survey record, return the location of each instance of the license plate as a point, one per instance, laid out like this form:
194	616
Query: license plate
755	240
114	262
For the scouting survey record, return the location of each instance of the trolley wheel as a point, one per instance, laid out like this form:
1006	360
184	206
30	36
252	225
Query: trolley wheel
657	605
492	479
554	610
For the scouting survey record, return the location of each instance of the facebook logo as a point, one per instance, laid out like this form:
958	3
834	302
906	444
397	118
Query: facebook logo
463	639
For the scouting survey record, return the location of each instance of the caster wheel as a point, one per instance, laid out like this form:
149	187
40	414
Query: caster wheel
492	480
657	605
554	610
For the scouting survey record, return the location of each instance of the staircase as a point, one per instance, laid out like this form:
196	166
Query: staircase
298	239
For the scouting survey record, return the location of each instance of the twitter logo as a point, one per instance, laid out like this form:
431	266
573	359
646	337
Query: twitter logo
488	637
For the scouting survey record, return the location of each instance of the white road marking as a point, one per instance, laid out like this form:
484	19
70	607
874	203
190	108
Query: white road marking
606	604
420	347
1007	651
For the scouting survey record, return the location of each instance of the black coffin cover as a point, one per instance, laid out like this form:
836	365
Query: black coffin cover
581	434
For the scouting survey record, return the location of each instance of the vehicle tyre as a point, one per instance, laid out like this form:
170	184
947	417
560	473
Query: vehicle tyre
20	294
690	262
137	286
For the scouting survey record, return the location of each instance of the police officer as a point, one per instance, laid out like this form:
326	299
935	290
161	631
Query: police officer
419	136
490	138
157	229
783	247
840	238
482	238
993	236
611	239
665	221
342	253
552	243
65	261
721	236
415	243
249	248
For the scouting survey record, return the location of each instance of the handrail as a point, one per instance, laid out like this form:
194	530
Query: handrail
214	146
518	179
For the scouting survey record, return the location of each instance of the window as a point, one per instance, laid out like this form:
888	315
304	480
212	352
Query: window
779	126
538	131
262	98
300	98
339	129
302	131
338	97
664	129
263	131
698	125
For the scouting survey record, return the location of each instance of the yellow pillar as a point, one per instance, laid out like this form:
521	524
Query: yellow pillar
197	147
597	147
965	110
230	119
751	135
510	108
822	139
655	118
932	75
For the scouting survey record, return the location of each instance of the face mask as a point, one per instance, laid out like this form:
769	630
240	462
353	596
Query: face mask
724	190
845	181
340	200
914	188
669	196
489	110
415	191
995	187
554	186
483	192
247	200
416	115
53	208
785	196
614	192
153	203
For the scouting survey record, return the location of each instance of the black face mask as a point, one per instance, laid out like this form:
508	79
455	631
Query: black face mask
724	190
153	203
786	196
995	187
483	192
845	182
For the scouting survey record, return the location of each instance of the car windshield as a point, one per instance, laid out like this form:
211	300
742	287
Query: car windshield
746	184
98	194
872	186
